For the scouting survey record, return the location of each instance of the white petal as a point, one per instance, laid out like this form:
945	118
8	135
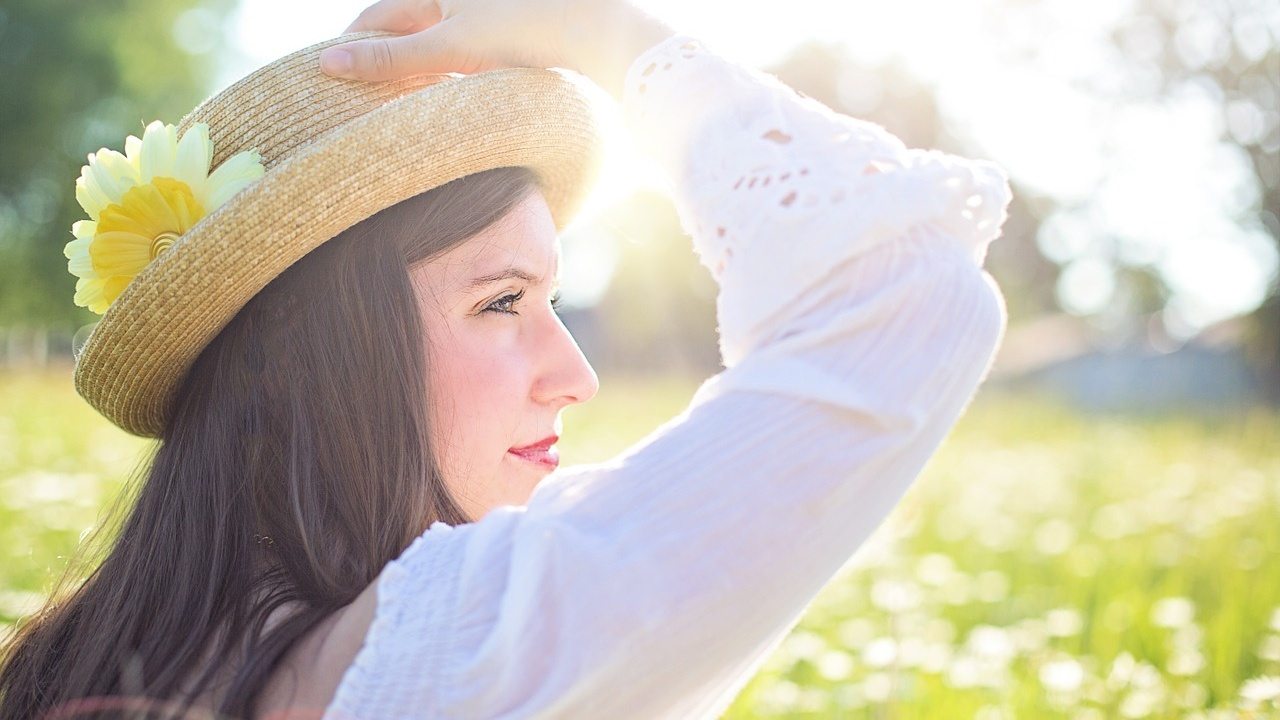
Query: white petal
195	152
232	176
112	173
79	262
84	228
89	195
159	149
133	151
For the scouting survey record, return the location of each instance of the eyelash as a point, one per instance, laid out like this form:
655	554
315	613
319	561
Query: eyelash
493	307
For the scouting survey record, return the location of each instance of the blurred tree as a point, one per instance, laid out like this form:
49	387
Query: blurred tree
658	314
1233	46
75	77
1229	47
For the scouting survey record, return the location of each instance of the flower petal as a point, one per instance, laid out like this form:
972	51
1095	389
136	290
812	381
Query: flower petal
104	180
113	173
113	286
159	150
232	176
89	195
89	294
97	294
133	151
195	152
79	261
180	202
152	209
122	245
84	228
119	253
161	184
126	231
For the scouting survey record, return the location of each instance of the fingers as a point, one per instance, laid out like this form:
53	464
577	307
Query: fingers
402	16
391	58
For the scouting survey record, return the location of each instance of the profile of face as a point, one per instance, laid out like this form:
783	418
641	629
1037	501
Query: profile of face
502	365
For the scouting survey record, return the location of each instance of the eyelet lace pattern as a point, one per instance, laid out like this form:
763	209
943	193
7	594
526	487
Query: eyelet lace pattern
771	184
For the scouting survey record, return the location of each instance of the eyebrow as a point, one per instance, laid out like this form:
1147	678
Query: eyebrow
507	274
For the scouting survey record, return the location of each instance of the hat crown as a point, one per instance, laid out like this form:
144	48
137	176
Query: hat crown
289	102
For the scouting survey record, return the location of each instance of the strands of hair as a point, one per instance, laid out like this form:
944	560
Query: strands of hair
305	420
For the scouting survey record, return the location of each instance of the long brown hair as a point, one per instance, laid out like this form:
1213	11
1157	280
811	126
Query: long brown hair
305	420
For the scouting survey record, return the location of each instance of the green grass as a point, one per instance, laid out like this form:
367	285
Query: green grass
1044	565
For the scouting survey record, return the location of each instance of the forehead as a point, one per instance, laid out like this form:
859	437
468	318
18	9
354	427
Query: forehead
524	238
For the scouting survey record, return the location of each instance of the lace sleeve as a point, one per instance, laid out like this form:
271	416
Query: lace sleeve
780	185
856	324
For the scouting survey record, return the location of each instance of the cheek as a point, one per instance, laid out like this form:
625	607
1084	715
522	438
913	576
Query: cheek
475	384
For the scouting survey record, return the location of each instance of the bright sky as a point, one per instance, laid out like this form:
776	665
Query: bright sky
1150	182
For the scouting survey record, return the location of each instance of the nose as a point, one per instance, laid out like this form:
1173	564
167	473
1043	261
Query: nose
567	376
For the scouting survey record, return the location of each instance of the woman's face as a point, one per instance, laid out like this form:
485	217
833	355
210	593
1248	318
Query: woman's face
498	380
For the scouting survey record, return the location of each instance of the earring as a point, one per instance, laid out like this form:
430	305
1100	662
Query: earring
264	538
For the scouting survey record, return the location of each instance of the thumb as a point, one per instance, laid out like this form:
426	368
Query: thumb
392	58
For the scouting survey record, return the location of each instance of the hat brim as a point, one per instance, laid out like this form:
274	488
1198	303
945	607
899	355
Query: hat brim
130	366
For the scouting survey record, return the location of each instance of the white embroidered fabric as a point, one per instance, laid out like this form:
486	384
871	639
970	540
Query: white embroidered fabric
785	165
856	324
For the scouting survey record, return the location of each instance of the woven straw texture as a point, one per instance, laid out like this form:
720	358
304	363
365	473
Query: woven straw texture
335	152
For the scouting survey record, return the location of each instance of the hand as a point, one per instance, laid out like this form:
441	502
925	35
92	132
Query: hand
464	36
597	38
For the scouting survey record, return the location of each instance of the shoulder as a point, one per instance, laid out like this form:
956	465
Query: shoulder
307	680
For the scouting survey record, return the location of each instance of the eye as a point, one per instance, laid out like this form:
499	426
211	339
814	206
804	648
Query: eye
504	303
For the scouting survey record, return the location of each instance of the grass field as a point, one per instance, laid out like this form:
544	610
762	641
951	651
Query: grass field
1045	565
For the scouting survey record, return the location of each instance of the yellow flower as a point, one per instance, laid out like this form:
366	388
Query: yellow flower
139	203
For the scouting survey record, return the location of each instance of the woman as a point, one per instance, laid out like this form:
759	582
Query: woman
380	413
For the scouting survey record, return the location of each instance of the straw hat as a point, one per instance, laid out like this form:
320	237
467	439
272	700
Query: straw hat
334	152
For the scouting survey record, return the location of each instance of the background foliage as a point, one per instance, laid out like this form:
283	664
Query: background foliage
1045	564
75	77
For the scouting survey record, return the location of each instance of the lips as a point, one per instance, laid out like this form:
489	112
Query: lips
543	444
540	453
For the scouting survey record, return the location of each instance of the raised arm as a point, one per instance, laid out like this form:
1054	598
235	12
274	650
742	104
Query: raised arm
856	323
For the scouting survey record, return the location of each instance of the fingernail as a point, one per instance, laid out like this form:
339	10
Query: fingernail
336	62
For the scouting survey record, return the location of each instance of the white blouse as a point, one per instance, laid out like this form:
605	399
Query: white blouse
855	325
